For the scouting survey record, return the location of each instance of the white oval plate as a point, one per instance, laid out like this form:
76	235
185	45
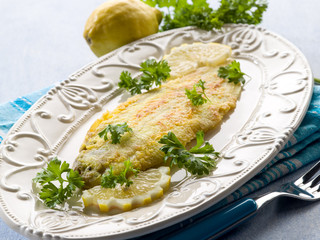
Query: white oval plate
272	105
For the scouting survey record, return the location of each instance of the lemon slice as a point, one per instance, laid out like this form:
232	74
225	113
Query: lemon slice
147	186
188	57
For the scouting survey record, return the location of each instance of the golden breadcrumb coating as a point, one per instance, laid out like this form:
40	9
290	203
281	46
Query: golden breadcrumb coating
152	115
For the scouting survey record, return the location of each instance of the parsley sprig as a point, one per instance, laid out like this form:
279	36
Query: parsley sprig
197	98
109	180
194	163
200	14
58	182
132	85
232	72
153	73
116	132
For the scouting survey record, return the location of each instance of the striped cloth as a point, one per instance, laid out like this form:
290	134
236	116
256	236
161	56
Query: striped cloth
302	148
10	112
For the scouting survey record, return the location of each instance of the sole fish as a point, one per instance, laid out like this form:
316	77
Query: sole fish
152	115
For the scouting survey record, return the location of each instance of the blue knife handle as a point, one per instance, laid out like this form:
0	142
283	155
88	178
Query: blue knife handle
217	223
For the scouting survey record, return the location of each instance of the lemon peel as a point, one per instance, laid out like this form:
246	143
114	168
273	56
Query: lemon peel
119	22
147	186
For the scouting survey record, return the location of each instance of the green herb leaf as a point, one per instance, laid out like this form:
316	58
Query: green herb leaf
195	97
178	155
129	83
200	14
153	73
184	14
232	72
52	194
164	3
109	180
207	148
241	11
151	3
116	132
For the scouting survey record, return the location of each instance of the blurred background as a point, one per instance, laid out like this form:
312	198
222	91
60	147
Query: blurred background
41	41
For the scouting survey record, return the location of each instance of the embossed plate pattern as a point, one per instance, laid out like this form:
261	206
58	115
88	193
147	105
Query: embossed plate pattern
272	104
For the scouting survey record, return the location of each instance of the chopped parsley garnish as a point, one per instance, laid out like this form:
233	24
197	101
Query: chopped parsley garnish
153	73
58	182
197	98
232	72
109	180
194	163
116	132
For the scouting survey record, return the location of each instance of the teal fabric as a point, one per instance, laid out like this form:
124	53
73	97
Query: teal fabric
10	112
302	148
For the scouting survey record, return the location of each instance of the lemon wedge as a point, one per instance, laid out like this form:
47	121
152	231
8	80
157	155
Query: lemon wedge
188	57
147	186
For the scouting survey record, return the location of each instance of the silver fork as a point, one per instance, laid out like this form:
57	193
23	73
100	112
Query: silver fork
306	188
215	224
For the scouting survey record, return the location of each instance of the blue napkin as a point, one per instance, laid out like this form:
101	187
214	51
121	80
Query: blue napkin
302	148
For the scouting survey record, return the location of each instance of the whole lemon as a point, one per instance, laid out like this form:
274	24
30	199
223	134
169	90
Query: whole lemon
118	22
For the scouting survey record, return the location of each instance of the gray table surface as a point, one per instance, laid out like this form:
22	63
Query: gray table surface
41	43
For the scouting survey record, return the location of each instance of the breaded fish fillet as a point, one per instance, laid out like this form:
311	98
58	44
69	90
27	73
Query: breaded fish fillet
152	115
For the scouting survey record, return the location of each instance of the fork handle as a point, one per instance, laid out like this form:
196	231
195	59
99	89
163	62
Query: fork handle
217	223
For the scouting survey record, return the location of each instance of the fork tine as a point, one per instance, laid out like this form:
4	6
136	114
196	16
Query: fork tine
314	189
306	177
315	181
